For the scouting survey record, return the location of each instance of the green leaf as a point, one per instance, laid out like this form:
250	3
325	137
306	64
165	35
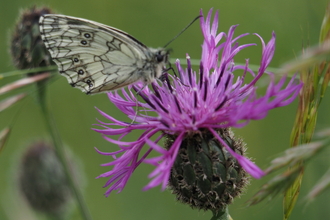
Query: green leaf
293	156
27	71
23	82
320	187
10	101
291	195
276	185
4	134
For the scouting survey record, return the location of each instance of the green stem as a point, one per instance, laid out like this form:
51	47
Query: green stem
57	142
221	215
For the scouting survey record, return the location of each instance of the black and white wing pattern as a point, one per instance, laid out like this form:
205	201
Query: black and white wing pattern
97	58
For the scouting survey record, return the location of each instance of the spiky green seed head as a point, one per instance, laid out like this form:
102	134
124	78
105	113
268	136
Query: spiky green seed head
205	175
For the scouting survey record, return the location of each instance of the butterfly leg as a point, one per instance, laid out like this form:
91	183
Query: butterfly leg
164	76
169	68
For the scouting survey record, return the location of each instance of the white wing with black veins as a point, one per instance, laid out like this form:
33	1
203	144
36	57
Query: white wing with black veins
97	58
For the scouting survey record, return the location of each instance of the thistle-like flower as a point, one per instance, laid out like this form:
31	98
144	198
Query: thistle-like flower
193	112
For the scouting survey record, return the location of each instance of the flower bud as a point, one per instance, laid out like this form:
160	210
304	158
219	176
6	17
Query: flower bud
42	180
27	49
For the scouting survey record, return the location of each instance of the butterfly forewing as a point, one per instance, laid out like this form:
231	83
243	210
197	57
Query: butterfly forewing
97	58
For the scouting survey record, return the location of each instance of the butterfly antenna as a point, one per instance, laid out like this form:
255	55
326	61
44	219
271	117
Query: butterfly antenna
199	16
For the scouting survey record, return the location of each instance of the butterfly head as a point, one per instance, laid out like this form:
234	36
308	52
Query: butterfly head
161	57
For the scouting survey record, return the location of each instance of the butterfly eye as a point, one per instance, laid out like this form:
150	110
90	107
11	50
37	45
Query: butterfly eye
87	35
83	42
159	57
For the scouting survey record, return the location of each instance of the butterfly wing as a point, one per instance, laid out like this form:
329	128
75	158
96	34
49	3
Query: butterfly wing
95	57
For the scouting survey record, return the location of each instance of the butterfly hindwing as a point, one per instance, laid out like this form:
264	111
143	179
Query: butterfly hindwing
98	58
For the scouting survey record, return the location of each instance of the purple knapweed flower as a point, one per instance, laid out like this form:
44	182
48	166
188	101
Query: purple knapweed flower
208	100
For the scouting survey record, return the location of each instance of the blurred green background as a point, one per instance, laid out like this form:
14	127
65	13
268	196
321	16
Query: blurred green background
296	24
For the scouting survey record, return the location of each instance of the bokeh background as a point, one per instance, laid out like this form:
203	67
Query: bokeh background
296	23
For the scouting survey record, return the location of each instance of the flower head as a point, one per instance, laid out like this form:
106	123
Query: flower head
210	100
27	49
42	181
